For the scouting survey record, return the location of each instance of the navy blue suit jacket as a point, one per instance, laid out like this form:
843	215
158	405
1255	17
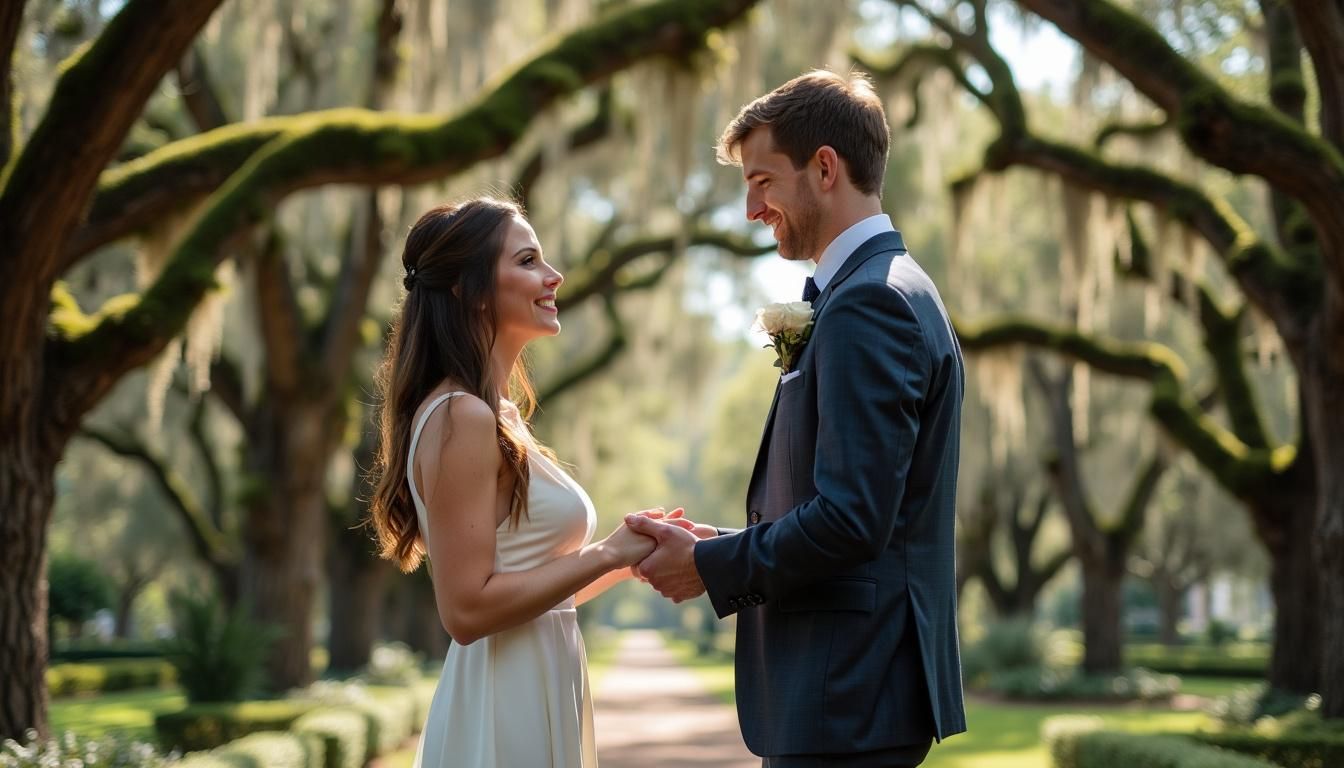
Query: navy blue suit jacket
843	579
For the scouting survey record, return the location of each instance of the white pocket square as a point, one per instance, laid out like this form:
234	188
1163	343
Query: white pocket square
791	375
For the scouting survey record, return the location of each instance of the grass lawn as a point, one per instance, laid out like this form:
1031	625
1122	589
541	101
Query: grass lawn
1001	734
131	712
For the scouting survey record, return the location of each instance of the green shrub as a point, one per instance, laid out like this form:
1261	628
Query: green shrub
1107	749
1219	633
1078	742
274	750
1005	646
1293	749
392	664
1045	683
344	734
71	751
218	653
1228	660
1061	733
97	650
1251	704
109	676
76	589
390	713
206	726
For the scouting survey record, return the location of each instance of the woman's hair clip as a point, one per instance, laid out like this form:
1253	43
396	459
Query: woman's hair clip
409	281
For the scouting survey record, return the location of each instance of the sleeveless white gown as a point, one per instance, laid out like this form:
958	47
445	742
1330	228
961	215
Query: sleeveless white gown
518	698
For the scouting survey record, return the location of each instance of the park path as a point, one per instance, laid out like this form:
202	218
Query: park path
654	713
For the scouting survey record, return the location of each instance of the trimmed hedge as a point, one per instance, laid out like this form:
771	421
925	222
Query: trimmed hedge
1105	749
206	726
104	652
1232	660
1077	742
109	676
1299	750
391	722
344	734
263	750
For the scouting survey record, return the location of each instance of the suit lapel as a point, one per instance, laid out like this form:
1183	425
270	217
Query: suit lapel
883	243
758	468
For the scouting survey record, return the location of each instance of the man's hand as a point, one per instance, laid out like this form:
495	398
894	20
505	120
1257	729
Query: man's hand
671	568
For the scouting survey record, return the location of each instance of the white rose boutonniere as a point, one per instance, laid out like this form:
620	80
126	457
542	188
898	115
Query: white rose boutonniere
789	326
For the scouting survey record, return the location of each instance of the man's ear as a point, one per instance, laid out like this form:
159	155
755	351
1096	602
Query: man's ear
828	166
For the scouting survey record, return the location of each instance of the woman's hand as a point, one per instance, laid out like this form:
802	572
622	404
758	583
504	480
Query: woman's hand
678	518
626	547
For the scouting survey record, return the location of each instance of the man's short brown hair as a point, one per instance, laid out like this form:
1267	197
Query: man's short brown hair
814	110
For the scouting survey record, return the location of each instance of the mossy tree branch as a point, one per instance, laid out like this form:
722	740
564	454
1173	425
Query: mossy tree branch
913	64
597	128
603	270
1003	98
198	92
1141	129
11	19
212	545
1222	339
1321	26
47	187
1285	287
1288	94
1234	134
362	147
1243	471
338	338
184	172
617	339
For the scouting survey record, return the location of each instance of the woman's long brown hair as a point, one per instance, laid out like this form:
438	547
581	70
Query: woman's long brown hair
444	330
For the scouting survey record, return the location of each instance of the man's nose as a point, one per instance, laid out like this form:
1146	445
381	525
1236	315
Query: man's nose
755	208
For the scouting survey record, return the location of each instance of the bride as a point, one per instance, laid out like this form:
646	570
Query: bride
461	480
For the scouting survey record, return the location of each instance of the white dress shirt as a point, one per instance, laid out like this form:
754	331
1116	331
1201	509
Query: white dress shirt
844	245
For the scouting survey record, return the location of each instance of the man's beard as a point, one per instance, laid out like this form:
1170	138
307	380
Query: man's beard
802	234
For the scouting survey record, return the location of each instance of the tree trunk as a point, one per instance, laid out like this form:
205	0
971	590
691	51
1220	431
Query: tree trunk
286	532
125	602
1294	663
1102	618
357	587
1324	391
1169	601
417	623
26	497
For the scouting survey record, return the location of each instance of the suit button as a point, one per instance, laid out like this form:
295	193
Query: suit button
754	518
733	603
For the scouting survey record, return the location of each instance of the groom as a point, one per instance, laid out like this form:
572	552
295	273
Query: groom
843	578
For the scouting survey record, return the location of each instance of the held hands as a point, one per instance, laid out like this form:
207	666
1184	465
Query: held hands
628	547
670	568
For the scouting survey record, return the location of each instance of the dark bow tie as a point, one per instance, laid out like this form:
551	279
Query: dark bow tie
810	290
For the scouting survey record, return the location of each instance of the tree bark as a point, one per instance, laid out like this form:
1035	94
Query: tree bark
358	581
1295	658
1169	602
26	496
286	531
1103	620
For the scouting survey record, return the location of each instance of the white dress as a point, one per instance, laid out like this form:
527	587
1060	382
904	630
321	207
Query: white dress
518	698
